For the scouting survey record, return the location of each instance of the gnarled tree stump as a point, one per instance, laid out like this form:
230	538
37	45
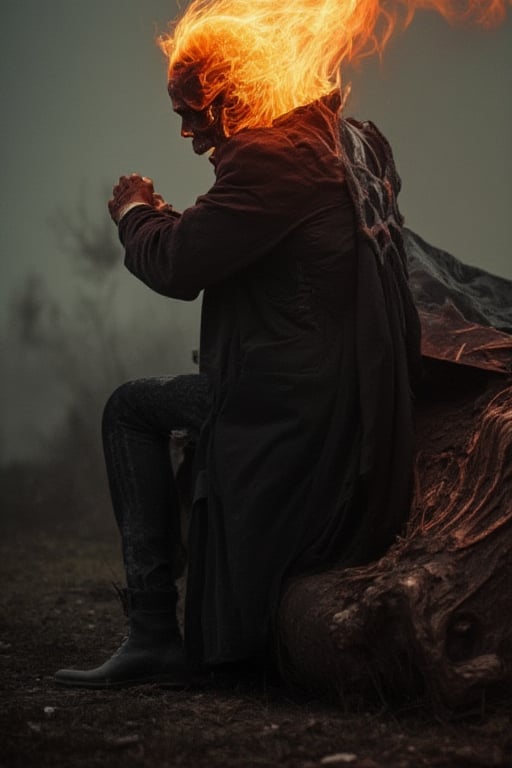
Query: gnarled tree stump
434	615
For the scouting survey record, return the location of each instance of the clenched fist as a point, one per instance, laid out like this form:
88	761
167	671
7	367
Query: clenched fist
132	189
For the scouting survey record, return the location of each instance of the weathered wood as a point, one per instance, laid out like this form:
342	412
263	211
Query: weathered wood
434	616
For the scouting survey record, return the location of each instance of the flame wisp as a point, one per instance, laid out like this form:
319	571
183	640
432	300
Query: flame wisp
271	56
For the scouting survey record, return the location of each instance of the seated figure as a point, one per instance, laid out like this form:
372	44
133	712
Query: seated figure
301	411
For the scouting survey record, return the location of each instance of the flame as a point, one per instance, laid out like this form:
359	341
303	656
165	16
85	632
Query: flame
270	56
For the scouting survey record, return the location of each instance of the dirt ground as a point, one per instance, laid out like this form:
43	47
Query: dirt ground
58	608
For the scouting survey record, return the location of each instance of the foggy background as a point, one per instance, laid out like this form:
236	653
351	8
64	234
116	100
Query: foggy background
83	95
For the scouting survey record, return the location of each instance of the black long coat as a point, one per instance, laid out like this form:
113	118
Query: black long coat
306	332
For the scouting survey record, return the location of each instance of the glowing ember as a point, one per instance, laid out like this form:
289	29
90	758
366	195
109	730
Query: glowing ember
271	56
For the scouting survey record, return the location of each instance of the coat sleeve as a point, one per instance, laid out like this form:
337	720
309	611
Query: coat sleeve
258	197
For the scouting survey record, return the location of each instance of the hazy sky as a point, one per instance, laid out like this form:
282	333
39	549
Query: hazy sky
83	100
83	95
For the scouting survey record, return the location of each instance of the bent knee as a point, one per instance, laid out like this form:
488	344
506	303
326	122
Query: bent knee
122	402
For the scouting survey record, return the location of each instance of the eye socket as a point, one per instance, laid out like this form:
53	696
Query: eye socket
198	120
183	111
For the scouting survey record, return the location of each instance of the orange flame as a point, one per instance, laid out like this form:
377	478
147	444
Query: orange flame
271	56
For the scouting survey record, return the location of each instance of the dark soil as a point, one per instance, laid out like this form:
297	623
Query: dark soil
59	609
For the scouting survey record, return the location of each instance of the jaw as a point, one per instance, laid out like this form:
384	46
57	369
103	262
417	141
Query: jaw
201	144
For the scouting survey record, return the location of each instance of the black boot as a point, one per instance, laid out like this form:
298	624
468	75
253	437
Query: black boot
152	653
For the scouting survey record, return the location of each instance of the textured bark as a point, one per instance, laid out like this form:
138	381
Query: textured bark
433	617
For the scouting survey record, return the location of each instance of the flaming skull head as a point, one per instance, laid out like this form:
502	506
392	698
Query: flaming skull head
201	120
236	64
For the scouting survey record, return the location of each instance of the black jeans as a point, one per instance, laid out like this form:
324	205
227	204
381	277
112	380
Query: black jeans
137	423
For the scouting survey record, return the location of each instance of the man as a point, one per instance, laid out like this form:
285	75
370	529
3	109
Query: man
302	404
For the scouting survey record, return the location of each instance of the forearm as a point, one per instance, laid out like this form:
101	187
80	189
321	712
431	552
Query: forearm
152	254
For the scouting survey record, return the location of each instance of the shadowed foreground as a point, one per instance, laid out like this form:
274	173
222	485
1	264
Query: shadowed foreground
59	556
62	610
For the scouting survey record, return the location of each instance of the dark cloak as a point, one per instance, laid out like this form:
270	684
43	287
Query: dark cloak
308	338
465	312
438	278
